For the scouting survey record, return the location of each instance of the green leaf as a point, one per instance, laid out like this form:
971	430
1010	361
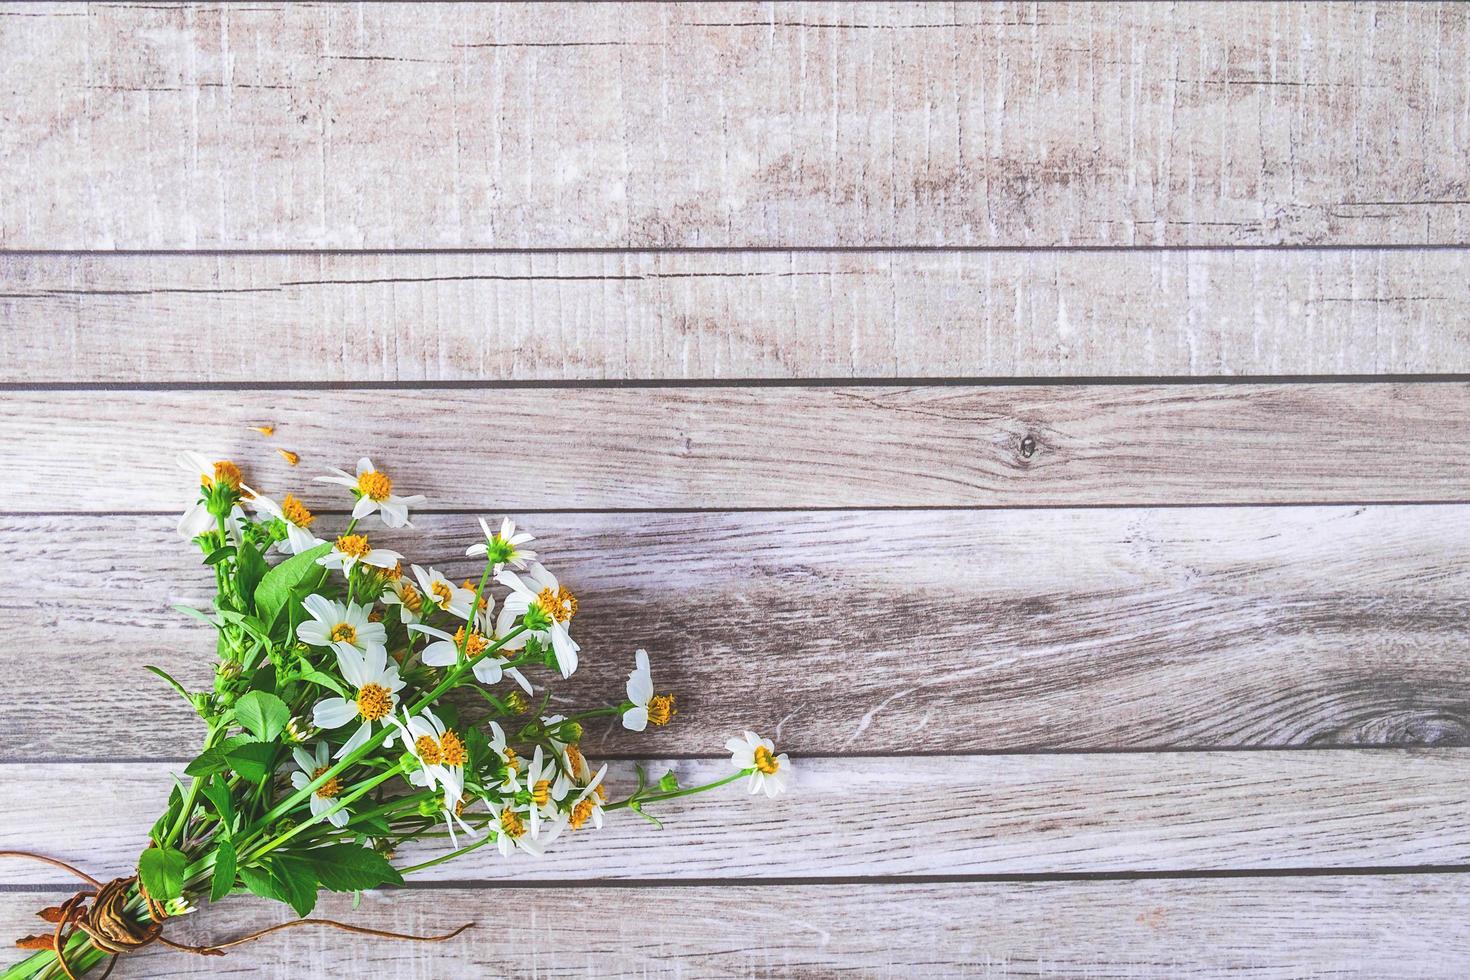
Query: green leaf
171	682
206	763
259	881
252	760
218	794
348	867
325	680
161	869
250	568
168	816
297	883
224	871
275	588
219	554
265	715
250	624
198	614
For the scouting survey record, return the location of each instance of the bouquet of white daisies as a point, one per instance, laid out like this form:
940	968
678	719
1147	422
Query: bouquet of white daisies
359	704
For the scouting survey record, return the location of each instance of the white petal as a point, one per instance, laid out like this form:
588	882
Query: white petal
364	465
635	719
363	507
394	513
440	654
487	669
353	668
322	609
313	633
333	713
360	737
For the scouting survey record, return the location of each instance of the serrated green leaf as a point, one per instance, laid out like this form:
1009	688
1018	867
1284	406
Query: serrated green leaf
263	714
296	881
206	763
252	760
161	870
224	871
275	588
348	867
218	795
259	881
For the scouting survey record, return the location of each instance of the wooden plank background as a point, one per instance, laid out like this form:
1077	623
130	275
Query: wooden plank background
1052	420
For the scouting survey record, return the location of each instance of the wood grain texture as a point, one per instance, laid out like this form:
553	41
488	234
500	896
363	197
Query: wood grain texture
573	316
898	816
741	447
1377	927
385	126
860	632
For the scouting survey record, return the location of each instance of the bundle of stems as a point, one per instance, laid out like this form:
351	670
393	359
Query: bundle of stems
337	732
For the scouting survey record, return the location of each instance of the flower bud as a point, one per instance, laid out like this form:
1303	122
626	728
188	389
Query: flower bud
570	731
516	702
429	807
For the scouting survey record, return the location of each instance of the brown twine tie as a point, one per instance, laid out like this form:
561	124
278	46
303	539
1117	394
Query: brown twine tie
109	928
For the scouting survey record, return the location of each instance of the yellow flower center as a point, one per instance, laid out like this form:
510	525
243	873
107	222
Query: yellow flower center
392	574
344	633
510	824
374	701
331	788
476	645
451	747
375	485
764	761
575	762
557	603
661	709
354	546
541	792
512	762
427	750
580	813
443	592
225	472
410	598
295	512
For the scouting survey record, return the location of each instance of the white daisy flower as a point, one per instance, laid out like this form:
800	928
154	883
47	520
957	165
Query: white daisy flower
444	594
647	707
402	593
771	774
292	513
508	824
545	608
546	792
344	628
349	549
374	494
312	765
440	751
377	684
588	803
197	519
508	758
503	547
488	667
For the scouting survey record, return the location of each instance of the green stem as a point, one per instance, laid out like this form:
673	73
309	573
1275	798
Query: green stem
195	784
675	794
280	839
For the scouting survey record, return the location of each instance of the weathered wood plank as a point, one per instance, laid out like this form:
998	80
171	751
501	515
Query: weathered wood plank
683	315
935	631
1380	927
896	816
737	447
203	125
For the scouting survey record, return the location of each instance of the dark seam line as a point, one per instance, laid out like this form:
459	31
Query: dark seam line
735	249
1046	381
1416	748
853	509
896	881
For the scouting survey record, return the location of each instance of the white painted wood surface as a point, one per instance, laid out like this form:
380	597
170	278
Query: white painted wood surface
740	447
790	125
710	196
1384	926
900	816
731	315
859	631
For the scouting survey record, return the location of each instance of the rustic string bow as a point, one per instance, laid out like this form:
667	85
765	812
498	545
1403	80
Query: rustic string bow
110	929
